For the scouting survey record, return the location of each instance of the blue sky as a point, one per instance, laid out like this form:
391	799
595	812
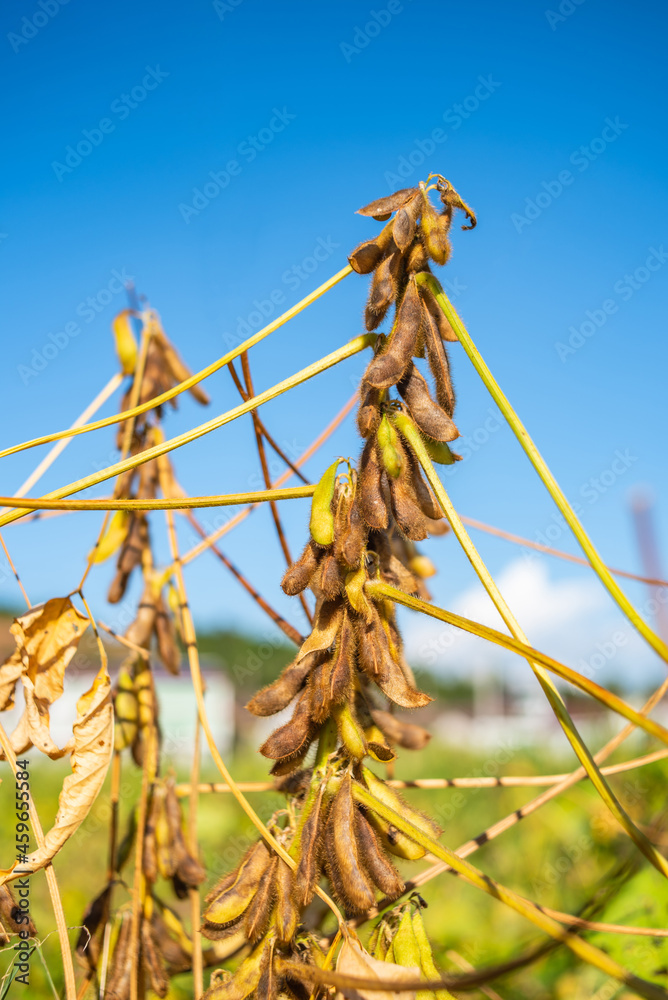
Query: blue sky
548	117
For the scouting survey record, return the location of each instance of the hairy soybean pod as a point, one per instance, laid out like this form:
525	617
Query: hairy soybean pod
290	740
307	871
381	871
298	575
278	695
383	290
435	228
368	415
431	418
322	518
406	951
387	368
372	503
390	203
347	874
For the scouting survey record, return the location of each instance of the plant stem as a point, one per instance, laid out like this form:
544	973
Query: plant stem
193	379
347	351
605	697
166	503
523	906
413	436
542	469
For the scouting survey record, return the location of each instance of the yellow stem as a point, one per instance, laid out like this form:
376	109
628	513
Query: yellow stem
48	460
523	906
413	436
51	880
168	503
607	698
190	640
193	379
539	464
347	351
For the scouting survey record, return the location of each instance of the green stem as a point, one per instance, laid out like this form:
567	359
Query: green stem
539	464
523	906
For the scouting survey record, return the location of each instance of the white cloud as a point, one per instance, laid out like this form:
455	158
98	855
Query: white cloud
571	619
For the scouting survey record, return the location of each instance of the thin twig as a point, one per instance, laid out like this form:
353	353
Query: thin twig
283	478
341	354
264	465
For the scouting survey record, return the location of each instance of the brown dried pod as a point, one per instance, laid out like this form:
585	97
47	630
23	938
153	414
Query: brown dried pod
286	914
386	368
368	414
291	739
403	229
172	951
87	948
290	765
258	914
345	869
372	501
296	784
379	868
168	651
130	556
308	867
427	414
232	896
349	531
372	645
326	625
278	695
438	364
327	582
188	869
407	514
394	685
13	917
369	254
416	259
298	575
445	331
425	499
404	734
152	962
383	290
118	984
400	576
150	852
390	203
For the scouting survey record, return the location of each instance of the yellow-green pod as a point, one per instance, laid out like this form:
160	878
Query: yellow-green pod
322	517
439	452
126	345
389	452
351	735
427	961
113	537
406	951
126	711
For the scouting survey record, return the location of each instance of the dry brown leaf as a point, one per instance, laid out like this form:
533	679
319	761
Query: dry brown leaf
93	745
10	672
46	640
354	961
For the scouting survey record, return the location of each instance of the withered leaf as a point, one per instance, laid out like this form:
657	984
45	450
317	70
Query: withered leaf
93	746
328	618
